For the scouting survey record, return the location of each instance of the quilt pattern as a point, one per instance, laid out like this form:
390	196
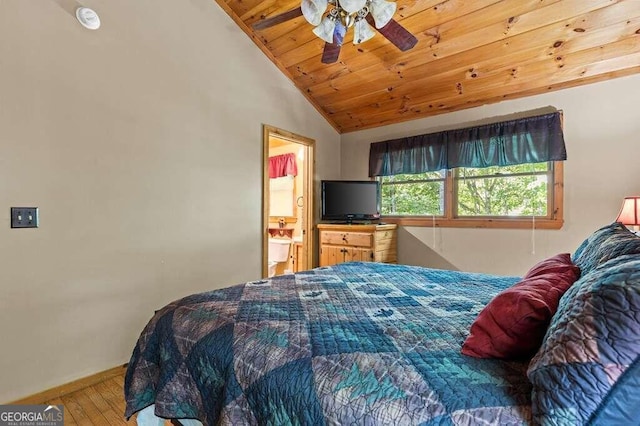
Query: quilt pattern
356	343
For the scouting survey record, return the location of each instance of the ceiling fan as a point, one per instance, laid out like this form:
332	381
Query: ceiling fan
359	14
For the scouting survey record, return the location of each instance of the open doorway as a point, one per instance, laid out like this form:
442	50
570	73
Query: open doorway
287	200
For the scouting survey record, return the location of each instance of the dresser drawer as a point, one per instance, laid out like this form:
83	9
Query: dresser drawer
385	235
356	239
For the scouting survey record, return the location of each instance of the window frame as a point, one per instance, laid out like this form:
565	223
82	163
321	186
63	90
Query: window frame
553	220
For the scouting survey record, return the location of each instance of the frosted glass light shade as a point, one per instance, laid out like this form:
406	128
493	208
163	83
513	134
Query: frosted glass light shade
362	31
325	29
312	10
352	6
382	12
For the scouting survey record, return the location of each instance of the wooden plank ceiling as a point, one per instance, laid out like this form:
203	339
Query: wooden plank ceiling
469	53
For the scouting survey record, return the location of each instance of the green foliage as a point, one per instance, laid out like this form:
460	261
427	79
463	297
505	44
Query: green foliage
419	194
506	196
519	190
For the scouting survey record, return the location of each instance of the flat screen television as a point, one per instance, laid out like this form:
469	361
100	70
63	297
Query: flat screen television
350	200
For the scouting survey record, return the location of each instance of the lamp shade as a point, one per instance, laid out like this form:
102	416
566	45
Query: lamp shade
630	211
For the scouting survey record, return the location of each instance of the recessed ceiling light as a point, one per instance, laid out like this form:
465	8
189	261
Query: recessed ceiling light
88	18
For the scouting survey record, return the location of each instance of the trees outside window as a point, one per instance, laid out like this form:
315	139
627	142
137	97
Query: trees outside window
507	196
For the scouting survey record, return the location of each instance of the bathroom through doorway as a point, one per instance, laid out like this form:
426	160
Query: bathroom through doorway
287	243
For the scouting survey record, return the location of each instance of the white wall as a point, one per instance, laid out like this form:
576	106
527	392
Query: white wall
140	143
602	131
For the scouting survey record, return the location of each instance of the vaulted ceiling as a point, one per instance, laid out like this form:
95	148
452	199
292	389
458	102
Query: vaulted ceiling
469	53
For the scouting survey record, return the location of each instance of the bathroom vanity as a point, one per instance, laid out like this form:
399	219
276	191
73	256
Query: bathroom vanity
357	243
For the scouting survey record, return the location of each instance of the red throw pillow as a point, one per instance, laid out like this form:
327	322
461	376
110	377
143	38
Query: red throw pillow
514	323
559	263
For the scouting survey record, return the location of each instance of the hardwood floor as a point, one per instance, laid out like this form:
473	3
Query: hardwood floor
98	404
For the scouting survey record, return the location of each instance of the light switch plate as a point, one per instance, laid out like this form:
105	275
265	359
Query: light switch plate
24	217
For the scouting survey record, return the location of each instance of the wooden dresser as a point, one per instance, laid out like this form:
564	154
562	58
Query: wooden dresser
362	243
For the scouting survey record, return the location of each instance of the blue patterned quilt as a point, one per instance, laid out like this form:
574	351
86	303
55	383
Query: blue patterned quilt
356	343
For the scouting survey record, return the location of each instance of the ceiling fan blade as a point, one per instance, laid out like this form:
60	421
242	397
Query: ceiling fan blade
330	53
278	19
396	34
332	50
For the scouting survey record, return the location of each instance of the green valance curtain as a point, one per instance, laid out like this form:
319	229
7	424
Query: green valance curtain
527	140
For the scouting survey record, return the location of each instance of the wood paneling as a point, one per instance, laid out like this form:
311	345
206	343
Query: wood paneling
469	53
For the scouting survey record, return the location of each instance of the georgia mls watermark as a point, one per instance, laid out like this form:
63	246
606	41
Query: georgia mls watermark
31	415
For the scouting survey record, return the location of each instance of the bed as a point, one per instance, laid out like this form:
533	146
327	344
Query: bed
355	343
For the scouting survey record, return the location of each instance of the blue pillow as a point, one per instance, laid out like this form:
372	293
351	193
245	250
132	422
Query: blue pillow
592	340
605	244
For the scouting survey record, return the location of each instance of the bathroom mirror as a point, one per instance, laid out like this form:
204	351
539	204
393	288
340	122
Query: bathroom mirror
282	201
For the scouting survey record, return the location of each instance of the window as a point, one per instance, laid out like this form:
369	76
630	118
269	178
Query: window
519	190
503	174
413	194
508	196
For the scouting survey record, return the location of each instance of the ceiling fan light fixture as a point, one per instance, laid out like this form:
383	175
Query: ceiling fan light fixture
362	31
382	12
348	20
339	15
326	28
312	10
351	6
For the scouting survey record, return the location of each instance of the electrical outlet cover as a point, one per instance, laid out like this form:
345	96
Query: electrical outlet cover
24	217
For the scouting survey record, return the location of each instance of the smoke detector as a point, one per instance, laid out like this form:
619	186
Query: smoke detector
88	18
